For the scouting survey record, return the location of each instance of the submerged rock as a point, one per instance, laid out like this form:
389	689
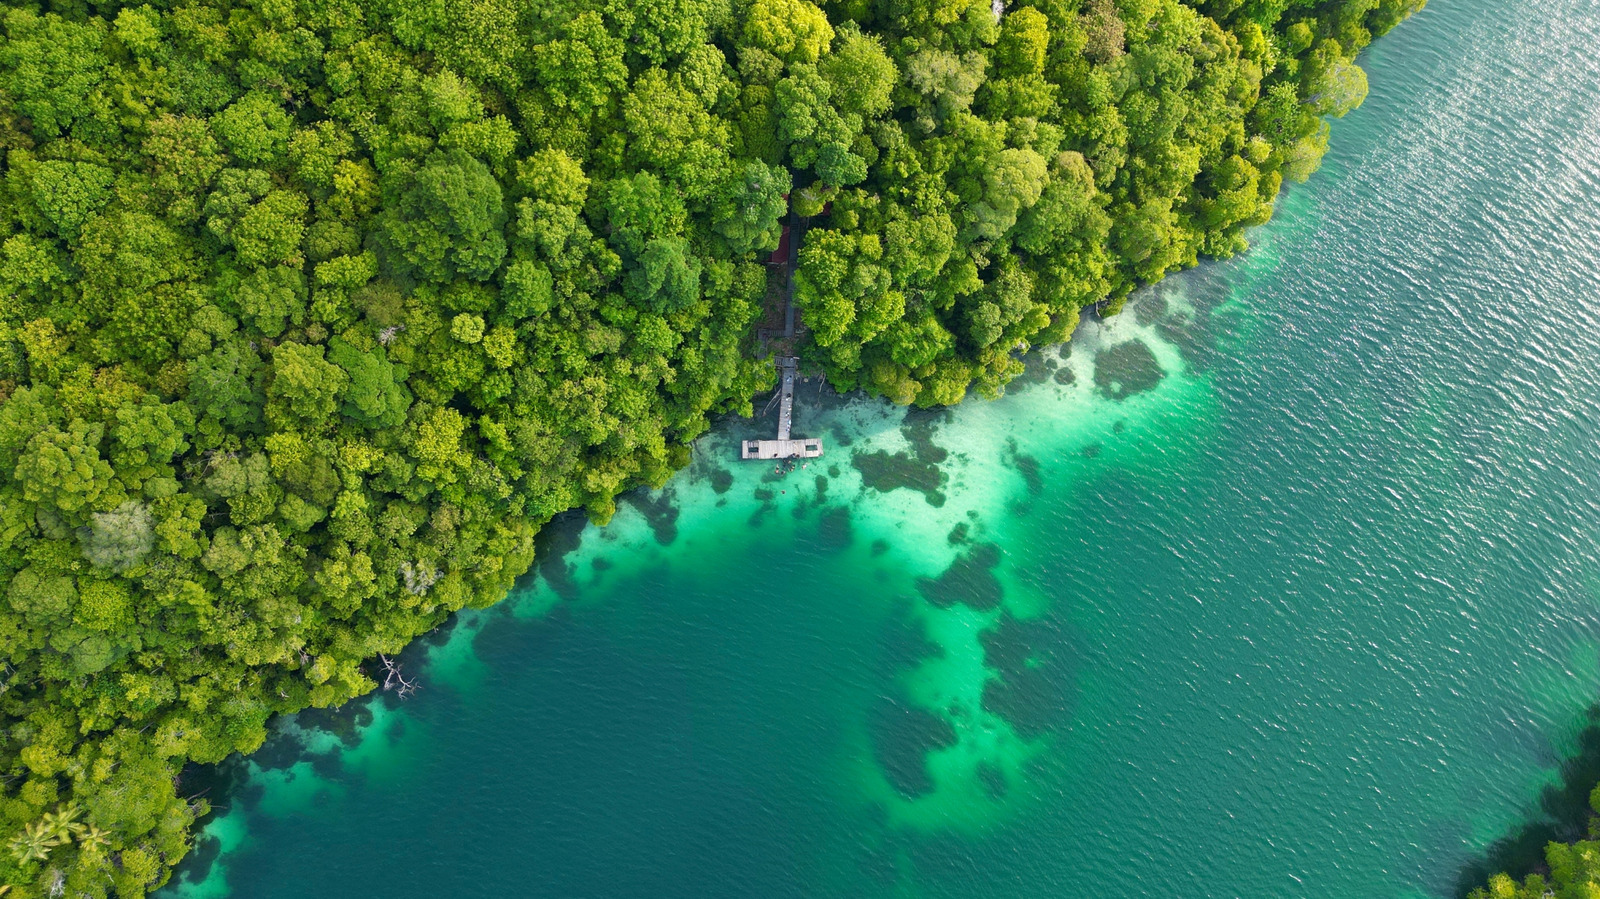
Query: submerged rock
884	472
1127	369
659	511
969	579
902	737
833	528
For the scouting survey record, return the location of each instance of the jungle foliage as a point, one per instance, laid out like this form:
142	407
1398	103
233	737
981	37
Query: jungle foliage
313	311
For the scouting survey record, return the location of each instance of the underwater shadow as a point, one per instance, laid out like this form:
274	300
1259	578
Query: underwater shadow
1566	815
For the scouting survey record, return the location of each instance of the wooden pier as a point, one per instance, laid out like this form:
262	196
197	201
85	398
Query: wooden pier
784	447
804	448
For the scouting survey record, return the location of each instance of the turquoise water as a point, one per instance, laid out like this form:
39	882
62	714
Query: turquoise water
1283	583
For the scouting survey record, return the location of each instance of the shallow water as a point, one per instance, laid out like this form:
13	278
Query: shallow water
1283	583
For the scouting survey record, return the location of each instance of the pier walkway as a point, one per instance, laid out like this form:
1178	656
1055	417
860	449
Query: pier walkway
784	447
788	365
804	448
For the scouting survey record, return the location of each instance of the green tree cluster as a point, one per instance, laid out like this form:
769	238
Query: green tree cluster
313	311
1023	166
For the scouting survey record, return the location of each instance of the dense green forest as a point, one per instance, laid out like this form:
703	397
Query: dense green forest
315	310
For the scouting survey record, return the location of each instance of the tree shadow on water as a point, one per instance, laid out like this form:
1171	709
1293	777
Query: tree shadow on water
1564	817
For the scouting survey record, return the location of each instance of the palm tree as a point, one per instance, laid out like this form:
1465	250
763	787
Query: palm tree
93	839
63	824
33	844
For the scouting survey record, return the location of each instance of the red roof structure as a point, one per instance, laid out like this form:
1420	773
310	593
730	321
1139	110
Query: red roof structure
780	256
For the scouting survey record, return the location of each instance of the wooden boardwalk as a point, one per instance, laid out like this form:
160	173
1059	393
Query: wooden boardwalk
804	448
788	366
784	447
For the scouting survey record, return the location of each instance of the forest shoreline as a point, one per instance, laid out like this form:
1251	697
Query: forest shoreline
320	311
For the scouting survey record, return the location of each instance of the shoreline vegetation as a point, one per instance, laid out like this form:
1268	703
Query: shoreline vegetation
1555	852
316	310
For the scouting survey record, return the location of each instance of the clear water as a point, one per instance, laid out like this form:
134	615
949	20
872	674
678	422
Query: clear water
1284	583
